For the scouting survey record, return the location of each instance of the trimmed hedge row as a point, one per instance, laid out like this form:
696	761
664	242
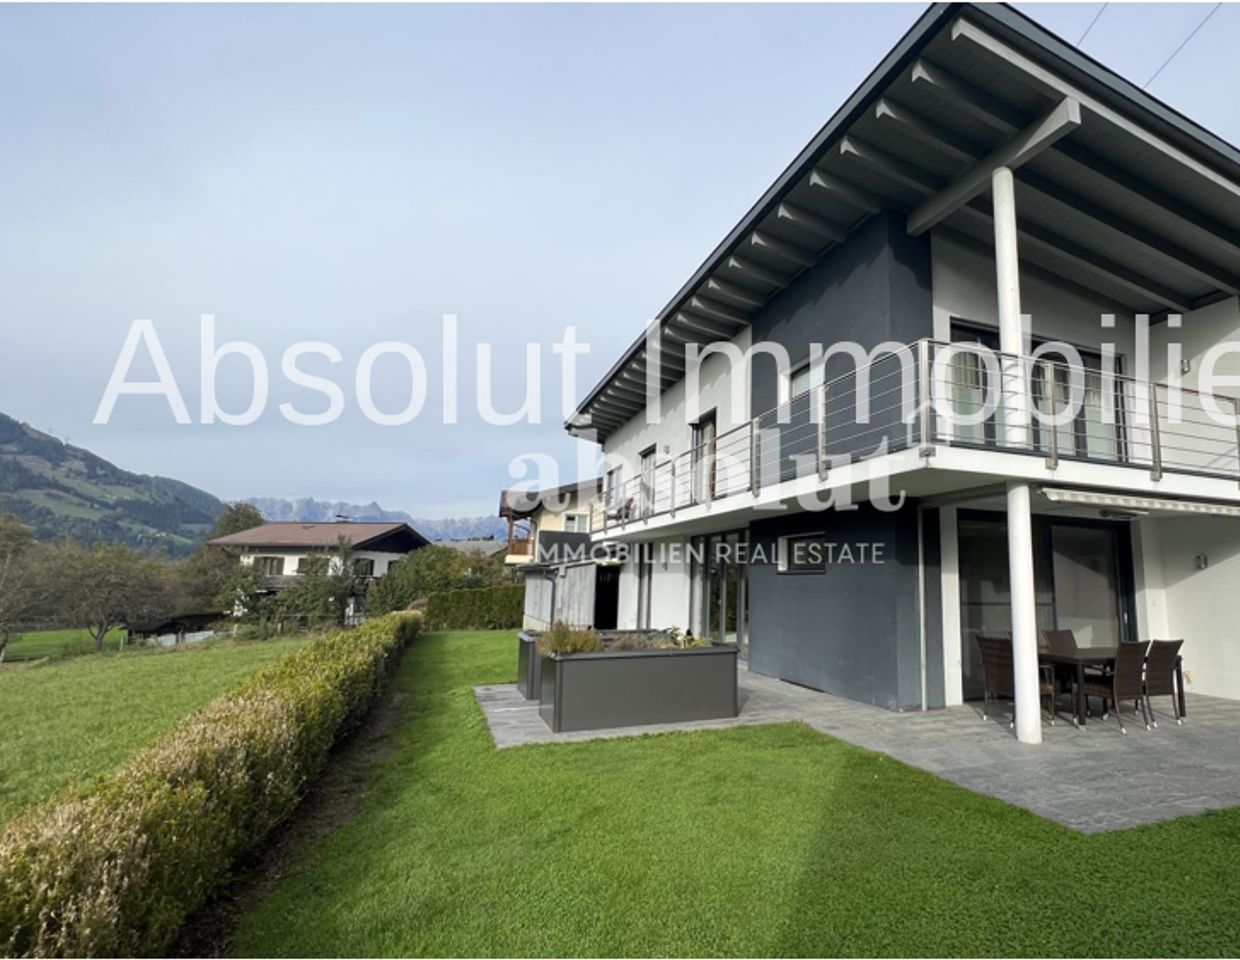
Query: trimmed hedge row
117	872
488	608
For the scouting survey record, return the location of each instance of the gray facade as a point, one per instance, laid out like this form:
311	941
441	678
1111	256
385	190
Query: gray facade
854	630
873	288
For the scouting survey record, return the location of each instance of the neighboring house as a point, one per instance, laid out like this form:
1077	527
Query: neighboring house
566	577
280	550
985	170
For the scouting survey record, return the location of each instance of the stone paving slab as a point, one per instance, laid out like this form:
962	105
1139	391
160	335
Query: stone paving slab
1091	779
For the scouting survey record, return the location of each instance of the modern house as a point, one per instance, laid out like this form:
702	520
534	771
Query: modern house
281	550
1004	281
567	578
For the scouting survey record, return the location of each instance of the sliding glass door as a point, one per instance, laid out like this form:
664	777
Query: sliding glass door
1082	582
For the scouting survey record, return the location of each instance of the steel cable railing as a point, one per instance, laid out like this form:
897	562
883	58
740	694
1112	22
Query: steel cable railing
956	394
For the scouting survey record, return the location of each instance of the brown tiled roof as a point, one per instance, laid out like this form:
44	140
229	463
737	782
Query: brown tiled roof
293	534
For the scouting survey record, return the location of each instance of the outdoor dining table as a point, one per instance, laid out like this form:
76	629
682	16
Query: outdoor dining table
1100	657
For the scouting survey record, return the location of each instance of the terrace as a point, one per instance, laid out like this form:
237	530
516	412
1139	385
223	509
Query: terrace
1090	778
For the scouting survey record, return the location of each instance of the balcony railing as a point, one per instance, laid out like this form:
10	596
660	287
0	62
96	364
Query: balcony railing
957	394
521	547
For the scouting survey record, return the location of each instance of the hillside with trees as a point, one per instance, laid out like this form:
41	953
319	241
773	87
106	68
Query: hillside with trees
61	491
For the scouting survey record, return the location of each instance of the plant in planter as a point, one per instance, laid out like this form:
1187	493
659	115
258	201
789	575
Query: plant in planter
563	639
633	678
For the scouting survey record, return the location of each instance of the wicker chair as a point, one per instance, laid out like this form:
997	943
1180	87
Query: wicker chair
999	674
1125	682
1160	676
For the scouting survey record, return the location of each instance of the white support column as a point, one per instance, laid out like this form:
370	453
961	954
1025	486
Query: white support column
1015	412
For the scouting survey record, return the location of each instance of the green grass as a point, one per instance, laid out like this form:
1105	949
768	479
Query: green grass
756	841
59	643
64	722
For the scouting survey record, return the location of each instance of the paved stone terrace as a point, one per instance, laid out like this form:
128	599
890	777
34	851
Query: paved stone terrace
1090	779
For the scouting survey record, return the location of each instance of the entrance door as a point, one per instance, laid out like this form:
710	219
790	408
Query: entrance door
606	597
1082	582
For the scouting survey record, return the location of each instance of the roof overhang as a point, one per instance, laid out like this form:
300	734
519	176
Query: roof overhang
1120	197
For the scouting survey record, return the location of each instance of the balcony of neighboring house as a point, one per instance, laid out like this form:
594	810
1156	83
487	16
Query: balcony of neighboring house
522	543
936	418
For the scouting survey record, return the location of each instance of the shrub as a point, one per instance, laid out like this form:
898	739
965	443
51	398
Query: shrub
561	638
669	639
491	608
117	871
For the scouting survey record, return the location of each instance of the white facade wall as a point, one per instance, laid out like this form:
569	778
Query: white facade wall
965	289
673	434
1200	606
669	587
383	560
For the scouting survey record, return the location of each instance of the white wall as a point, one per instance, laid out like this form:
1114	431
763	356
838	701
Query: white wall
964	288
674	430
1200	606
293	557
669	590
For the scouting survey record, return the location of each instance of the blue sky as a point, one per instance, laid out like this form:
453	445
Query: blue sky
349	174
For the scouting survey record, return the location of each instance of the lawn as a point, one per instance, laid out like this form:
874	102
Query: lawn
65	721
761	841
59	643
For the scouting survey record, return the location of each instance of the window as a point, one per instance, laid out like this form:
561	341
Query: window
305	564
363	567
705	435
804	553
804	378
269	566
613	487
576	523
647	474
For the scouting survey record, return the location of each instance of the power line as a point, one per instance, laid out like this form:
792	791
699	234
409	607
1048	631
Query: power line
1175	52
1092	22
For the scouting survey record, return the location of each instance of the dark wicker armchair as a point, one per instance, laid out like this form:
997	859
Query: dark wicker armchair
1160	676
1125	682
999	674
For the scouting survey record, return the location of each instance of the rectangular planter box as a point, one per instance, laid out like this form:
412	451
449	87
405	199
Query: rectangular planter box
529	667
592	691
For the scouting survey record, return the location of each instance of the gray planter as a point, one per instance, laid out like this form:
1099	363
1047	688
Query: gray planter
592	691
529	666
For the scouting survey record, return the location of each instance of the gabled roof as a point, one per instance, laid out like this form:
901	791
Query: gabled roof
1136	206
398	537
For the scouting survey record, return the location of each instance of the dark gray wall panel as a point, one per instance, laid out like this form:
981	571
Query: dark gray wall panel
851	631
873	287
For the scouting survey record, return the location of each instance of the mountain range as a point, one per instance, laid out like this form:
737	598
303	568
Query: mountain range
63	491
307	510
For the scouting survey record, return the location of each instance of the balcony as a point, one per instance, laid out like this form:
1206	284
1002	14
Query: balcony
957	406
520	550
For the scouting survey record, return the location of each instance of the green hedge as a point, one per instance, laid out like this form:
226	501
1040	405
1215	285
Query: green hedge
117	871
490	608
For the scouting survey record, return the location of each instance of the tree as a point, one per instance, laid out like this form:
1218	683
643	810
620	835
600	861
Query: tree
204	581
431	570
235	518
321	590
23	582
108	586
